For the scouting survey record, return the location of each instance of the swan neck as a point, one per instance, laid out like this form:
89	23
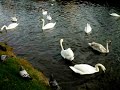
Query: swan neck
43	23
99	65
107	50
61	44
4	27
97	68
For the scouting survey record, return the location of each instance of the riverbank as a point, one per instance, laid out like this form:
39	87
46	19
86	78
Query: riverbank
9	73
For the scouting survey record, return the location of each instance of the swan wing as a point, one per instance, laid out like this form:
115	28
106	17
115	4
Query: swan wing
85	68
12	25
68	52
49	26
75	70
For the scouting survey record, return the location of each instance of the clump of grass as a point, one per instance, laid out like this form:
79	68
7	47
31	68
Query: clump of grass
10	78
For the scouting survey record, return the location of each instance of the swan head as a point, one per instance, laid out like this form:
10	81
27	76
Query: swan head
42	19
109	41
61	40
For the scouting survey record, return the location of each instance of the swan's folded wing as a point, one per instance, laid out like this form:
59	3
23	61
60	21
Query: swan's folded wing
75	70
85	68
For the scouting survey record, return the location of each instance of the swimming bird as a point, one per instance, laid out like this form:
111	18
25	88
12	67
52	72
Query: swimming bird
3	57
48	25
49	17
83	69
44	12
10	26
24	73
99	47
115	14
88	29
66	53
53	83
13	19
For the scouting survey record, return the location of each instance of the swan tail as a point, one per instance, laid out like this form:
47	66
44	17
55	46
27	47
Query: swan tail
75	70
61	40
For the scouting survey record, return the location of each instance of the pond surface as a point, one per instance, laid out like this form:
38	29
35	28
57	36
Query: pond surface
42	48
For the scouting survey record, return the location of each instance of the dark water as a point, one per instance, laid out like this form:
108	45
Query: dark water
42	48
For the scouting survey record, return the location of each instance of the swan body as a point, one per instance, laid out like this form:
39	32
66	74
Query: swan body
88	29
48	25
24	73
66	53
99	47
115	14
44	12
11	26
14	19
83	69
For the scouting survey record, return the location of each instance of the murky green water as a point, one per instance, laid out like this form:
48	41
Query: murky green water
42	48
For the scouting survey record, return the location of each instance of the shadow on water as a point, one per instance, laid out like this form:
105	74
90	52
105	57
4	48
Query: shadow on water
42	48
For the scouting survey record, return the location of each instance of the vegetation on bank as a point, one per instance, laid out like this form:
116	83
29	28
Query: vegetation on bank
9	73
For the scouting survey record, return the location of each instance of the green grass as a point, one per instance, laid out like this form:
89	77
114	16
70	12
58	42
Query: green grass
11	80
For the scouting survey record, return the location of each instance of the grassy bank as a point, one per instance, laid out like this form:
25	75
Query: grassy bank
9	74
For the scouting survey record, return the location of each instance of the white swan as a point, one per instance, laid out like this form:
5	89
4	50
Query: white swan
11	26
99	47
88	29
13	19
24	73
115	14
83	69
49	17
44	12
48	25
67	53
